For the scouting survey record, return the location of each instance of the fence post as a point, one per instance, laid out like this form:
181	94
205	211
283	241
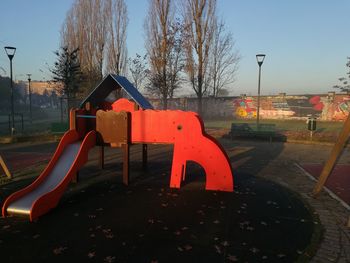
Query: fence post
9	123
22	123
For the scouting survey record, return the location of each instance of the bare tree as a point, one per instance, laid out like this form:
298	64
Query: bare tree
86	28
138	69
224	60
117	26
175	57
163	41
344	85
200	20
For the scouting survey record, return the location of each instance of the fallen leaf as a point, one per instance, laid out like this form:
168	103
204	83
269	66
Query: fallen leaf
218	249
59	250
225	243
188	247
177	233
232	258
109	259
254	250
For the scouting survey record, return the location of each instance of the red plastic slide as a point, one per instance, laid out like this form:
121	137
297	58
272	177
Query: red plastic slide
45	192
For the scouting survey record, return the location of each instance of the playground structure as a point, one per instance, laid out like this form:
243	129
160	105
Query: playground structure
106	121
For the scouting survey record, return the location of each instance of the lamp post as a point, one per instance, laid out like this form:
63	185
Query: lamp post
260	59
10	51
30	98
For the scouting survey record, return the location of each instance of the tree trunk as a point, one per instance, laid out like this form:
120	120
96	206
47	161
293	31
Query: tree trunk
200	105
165	101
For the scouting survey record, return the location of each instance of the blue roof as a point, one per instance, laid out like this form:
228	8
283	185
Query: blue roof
114	82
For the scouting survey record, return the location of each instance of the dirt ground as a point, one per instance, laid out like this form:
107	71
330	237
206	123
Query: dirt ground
101	220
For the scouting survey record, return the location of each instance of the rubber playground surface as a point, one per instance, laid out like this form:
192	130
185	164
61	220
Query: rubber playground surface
338	181
18	161
101	220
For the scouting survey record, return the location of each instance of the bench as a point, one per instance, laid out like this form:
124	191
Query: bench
240	130
266	130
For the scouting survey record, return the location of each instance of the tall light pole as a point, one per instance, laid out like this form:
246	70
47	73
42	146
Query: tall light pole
260	59
10	51
30	98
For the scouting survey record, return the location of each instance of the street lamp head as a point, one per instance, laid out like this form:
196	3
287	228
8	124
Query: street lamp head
10	51
29	79
260	58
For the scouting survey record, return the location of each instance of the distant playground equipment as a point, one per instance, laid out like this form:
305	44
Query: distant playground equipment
106	121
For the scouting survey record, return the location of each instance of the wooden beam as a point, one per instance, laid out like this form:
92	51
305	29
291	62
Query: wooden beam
126	163
102	157
75	178
4	167
144	156
336	151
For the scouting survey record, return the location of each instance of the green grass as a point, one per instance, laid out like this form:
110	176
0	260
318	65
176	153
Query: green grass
42	119
281	125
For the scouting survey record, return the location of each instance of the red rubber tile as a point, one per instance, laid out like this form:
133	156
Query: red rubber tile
338	181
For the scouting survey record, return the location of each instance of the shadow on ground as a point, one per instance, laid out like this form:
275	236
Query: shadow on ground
148	222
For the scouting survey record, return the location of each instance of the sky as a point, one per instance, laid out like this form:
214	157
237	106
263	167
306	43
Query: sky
306	42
